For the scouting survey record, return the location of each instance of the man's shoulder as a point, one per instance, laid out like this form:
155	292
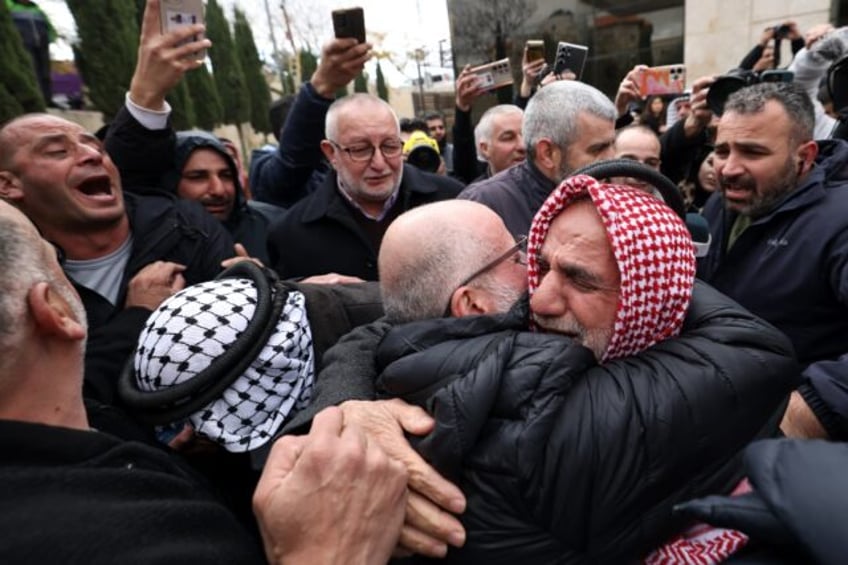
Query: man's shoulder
493	186
424	183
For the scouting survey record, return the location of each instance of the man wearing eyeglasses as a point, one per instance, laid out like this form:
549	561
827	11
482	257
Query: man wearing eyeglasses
339	228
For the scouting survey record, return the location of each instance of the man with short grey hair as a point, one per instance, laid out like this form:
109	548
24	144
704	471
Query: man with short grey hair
498	139
339	227
567	125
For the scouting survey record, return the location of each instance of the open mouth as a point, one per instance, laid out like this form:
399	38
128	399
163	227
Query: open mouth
97	186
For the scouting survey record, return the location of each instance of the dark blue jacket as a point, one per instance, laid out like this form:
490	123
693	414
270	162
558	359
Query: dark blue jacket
297	168
791	268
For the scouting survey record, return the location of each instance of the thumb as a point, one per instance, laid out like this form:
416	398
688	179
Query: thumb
413	419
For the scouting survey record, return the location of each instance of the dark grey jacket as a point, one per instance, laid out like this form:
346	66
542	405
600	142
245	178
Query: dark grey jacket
516	194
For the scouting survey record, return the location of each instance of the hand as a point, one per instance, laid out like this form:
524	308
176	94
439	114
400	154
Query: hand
799	420
831	46
765	62
162	61
794	32
330	497
342	59
241	255
467	89
553	77
428	529
767	35
152	285
628	90
701	115
332	278
815	33
529	73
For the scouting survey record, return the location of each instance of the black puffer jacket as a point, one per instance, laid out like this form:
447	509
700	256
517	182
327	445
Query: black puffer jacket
565	461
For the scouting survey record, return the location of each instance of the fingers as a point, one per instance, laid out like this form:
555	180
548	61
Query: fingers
150	23
428	530
240	250
413	419
332	278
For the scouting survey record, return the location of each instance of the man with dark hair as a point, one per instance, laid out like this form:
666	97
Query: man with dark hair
192	165
780	240
436	125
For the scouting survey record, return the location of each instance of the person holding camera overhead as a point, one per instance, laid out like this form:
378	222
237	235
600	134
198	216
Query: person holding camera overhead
766	53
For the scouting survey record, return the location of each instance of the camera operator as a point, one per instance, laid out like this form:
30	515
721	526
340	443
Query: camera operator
766	53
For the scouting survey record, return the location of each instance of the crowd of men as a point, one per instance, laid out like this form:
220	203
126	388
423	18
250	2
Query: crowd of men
343	358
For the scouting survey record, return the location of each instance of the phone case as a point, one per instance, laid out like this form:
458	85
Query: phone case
174	14
570	57
535	50
493	75
349	23
669	79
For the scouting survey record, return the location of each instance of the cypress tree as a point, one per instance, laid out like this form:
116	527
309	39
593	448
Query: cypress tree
19	92
308	64
226	69
182	114
382	89
108	33
257	87
207	104
360	83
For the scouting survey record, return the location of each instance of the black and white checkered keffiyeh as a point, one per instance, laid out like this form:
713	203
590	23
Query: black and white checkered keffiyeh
199	323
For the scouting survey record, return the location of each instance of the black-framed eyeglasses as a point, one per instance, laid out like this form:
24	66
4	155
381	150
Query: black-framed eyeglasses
519	248
390	149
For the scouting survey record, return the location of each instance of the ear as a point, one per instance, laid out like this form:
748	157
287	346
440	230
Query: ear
807	153
10	187
329	151
484	149
548	157
52	314
466	301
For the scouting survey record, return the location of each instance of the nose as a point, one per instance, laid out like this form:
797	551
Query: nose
216	186
546	300
89	154
728	167
378	161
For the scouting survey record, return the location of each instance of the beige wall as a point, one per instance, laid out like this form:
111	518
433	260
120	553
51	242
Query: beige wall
719	33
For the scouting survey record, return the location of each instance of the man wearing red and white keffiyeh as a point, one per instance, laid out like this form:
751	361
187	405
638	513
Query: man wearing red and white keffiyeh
613	267
609	265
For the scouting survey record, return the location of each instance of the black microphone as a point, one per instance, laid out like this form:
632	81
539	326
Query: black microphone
700	230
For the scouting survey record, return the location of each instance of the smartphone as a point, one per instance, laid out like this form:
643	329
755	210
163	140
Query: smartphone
535	49
493	75
174	14
668	79
570	57
349	22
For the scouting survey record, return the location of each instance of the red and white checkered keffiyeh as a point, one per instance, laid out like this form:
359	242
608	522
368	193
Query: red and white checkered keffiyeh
653	250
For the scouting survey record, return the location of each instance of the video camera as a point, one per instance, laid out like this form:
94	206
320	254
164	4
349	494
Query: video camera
736	79
781	32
